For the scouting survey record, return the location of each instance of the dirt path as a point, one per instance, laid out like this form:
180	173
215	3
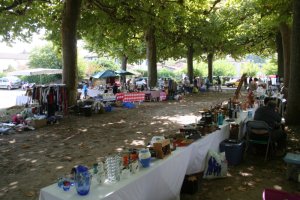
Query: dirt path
32	160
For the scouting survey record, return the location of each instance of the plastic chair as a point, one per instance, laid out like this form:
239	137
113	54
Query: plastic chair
258	132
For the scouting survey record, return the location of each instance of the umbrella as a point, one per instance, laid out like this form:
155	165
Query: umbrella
105	74
123	72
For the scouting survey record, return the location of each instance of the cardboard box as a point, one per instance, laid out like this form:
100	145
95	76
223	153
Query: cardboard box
38	123
162	148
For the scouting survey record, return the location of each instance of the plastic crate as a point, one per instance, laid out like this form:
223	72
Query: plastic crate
234	150
293	166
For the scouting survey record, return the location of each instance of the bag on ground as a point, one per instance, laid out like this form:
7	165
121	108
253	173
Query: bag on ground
215	165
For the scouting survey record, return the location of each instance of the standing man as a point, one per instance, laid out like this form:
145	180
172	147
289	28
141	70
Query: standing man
207	83
219	84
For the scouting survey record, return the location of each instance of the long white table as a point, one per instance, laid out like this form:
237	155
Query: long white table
162	181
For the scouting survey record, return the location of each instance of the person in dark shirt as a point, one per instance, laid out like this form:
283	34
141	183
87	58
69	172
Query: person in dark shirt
115	89
268	114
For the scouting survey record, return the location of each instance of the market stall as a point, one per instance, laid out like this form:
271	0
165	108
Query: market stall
148	182
156	95
131	97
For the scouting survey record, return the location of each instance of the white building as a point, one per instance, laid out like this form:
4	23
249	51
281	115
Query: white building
16	61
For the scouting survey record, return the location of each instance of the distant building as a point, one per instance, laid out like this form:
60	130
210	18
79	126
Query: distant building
17	61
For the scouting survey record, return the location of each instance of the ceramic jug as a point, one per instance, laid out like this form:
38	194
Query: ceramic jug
145	157
82	179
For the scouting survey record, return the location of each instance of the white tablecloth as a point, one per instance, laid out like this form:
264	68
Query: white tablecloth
162	181
200	148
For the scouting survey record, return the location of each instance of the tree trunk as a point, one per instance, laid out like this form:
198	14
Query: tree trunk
151	56
286	44
190	68
210	57
70	18
124	67
280	59
293	107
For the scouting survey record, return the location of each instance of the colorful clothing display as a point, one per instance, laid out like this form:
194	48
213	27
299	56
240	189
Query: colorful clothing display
51	98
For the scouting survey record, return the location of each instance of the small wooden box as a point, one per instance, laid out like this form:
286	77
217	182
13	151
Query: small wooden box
162	148
38	123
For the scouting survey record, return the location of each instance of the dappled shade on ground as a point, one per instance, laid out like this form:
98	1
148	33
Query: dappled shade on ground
32	160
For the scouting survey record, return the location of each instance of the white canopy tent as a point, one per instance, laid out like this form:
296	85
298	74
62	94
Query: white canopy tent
37	71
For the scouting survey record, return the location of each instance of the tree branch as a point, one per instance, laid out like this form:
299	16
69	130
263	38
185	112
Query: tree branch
207	12
112	12
17	3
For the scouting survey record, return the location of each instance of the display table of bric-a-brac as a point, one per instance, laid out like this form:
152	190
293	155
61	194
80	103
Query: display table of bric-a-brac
162	180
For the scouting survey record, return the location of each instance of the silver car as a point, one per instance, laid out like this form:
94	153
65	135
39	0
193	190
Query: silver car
10	82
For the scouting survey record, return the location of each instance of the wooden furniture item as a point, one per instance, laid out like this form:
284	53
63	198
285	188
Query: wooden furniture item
162	148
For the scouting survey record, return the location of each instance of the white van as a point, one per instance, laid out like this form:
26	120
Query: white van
10	82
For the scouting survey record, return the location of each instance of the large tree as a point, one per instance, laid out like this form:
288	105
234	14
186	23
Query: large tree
70	17
293	107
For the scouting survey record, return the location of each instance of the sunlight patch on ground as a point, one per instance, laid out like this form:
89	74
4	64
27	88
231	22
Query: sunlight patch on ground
119	149
59	167
184	119
12	141
121	121
13	187
13	183
137	142
245	174
294	140
277	187
161	130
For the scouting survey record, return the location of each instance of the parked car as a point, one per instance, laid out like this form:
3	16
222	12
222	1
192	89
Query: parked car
141	81
10	82
232	83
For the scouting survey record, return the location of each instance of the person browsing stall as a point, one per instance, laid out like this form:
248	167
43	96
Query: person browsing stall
85	90
268	114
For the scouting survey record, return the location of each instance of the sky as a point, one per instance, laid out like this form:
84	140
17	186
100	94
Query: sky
19	47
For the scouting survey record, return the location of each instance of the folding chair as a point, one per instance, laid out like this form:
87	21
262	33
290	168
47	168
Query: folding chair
258	132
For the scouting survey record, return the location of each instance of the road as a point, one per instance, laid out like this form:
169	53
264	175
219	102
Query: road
8	97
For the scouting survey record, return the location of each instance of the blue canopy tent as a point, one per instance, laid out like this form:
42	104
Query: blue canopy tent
122	73
105	74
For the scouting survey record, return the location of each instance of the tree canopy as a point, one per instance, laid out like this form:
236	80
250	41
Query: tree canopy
156	30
